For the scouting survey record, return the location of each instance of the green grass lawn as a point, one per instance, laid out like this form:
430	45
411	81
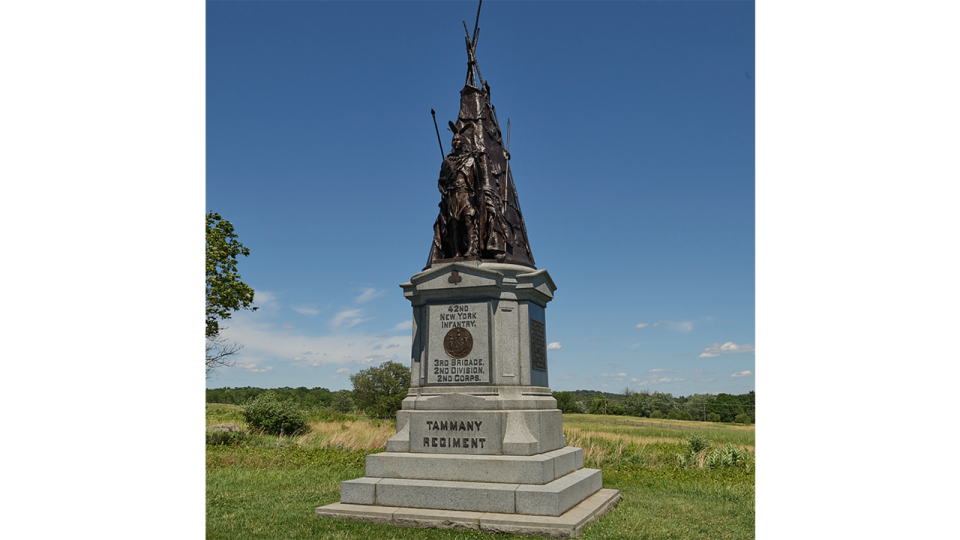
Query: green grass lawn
268	487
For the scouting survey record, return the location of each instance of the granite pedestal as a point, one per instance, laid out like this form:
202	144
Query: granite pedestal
479	440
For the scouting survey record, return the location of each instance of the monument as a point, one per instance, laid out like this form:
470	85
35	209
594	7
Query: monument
479	441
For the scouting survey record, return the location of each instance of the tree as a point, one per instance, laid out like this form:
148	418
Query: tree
599	405
226	292
565	402
342	402
379	390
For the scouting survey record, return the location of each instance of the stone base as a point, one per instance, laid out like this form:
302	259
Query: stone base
550	499
567	525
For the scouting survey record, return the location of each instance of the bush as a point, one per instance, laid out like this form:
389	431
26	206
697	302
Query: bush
617	409
673	415
227	438
696	443
581	407
273	416
713	417
727	456
743	418
656	414
685	416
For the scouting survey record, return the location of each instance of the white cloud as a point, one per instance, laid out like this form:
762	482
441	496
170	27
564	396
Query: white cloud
668	379
288	326
305	309
743	374
727	348
367	295
554	346
343	371
660	370
405	325
613	375
348	318
264	342
252	368
682	326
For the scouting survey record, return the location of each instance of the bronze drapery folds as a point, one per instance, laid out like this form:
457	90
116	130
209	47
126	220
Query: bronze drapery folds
480	217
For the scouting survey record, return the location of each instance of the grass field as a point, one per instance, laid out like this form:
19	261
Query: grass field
267	486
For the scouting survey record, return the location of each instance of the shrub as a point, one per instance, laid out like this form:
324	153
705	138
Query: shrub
273	416
713	417
342	402
617	409
656	414
227	438
581	407
727	456
673	415
685	416
743	418
696	443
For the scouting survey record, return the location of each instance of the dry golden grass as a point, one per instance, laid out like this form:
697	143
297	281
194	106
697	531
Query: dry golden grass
361	435
579	434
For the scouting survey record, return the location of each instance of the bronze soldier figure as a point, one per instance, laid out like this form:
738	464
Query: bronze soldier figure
454	232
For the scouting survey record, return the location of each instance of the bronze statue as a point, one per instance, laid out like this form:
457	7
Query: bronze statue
454	232
480	216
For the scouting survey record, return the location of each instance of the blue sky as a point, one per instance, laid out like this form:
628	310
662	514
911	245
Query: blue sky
632	138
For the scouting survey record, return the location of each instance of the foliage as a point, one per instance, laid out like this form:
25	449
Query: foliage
227	438
713	417
342	402
697	442
743	418
305	398
581	408
273	416
729	406
565	402
656	414
379	390
727	456
598	405
226	292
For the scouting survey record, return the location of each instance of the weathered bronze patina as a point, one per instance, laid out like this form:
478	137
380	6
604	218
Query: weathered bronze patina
480	216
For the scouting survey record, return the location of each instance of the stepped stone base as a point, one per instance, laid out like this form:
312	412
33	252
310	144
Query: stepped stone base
550	499
568	524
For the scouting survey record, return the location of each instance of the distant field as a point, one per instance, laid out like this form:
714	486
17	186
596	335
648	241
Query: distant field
267	486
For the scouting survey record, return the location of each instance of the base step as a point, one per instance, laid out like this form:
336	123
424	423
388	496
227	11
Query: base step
550	499
567	525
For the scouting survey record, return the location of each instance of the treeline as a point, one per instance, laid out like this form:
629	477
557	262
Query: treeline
303	397
704	407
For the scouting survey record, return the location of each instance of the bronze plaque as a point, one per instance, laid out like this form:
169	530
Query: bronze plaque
538	345
458	342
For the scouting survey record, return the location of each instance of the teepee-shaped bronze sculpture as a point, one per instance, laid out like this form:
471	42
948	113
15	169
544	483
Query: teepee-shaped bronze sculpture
480	217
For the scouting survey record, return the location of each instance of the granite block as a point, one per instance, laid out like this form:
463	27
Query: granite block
359	491
555	498
537	469
444	495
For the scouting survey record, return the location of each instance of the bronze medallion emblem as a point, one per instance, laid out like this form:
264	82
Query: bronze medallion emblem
458	342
